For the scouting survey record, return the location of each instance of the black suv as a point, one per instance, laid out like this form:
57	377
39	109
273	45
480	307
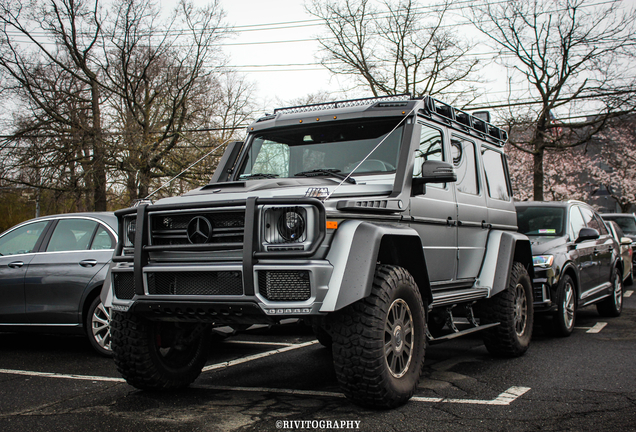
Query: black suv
576	261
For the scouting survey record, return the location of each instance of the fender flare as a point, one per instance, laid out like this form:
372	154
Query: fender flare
502	250
355	251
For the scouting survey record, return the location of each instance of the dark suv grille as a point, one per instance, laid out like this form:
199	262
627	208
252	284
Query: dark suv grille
196	283
284	285
124	285
172	229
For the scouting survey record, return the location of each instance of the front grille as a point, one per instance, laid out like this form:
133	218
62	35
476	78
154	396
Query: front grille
227	227
217	283
124	285
284	285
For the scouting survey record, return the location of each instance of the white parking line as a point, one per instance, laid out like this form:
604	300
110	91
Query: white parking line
58	375
505	398
597	327
628	293
257	356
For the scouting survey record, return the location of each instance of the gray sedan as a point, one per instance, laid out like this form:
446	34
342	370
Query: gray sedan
51	272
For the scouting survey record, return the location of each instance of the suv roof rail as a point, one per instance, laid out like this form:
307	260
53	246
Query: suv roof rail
463	120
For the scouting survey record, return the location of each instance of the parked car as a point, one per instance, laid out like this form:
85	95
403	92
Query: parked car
627	253
627	222
576	261
52	270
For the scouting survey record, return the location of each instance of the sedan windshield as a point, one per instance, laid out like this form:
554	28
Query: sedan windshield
331	149
541	221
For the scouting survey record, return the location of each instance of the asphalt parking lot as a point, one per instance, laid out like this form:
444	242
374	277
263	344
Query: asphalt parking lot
280	378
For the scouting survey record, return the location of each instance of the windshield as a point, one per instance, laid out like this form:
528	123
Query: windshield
627	223
335	147
541	221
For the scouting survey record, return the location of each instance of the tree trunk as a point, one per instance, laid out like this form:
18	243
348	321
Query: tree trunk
99	166
537	175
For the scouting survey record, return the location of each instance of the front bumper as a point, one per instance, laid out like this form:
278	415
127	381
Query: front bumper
216	293
544	290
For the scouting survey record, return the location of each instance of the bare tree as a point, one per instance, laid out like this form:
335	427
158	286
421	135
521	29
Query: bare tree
576	56
41	72
396	49
160	74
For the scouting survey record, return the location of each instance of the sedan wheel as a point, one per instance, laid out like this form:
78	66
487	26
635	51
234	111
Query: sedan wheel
98	327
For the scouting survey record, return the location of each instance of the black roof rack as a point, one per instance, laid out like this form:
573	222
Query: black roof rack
465	121
454	117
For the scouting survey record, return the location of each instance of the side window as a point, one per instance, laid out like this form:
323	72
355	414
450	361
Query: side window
496	180
602	228
592	221
431	148
464	161
102	240
71	234
576	222
21	240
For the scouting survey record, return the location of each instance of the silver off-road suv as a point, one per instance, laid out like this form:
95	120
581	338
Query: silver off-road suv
384	223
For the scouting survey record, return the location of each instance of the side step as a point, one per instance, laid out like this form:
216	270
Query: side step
440	339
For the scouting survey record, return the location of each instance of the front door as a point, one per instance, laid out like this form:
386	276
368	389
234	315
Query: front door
434	213
17	249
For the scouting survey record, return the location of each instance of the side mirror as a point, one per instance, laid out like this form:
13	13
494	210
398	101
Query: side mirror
626	241
433	172
438	172
587	234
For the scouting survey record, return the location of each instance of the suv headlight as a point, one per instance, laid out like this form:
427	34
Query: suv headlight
543	261
130	230
288	228
291	225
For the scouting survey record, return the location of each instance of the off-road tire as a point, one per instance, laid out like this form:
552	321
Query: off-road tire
97	326
563	320
512	309
145	364
613	305
393	315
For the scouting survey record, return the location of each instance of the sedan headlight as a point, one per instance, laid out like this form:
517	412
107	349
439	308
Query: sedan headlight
543	261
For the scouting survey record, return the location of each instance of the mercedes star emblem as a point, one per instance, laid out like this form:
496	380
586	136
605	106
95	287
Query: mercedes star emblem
199	230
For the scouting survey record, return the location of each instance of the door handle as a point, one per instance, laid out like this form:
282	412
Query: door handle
16	264
88	263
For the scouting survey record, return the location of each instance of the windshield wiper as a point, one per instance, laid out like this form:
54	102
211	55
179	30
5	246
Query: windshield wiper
326	172
259	176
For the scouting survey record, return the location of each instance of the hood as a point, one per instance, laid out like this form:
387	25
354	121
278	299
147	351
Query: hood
546	245
284	188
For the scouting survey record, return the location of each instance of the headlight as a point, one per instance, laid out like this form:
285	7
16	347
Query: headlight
130	229
287	228
543	261
291	226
